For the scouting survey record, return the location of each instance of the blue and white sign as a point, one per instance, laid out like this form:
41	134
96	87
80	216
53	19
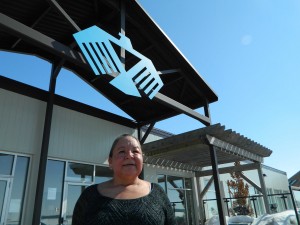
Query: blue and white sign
96	45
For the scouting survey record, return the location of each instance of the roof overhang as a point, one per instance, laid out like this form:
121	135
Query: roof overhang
45	29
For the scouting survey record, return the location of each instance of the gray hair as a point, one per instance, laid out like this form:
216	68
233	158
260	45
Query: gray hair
117	140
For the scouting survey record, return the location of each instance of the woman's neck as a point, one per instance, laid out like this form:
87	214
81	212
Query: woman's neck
124	189
116	181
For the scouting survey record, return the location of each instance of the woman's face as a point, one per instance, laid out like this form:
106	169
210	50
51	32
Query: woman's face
127	159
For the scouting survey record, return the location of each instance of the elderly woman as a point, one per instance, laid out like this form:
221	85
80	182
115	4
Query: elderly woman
125	199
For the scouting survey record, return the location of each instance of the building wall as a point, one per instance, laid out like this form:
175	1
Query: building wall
21	123
76	136
21	130
274	179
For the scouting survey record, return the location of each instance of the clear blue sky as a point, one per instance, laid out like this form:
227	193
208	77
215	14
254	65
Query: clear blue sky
247	51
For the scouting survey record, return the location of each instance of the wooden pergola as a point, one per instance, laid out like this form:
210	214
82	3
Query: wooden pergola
203	150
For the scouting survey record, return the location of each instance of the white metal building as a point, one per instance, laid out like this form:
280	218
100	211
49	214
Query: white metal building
78	151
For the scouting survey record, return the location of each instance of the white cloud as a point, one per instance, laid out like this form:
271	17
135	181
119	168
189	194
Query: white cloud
246	39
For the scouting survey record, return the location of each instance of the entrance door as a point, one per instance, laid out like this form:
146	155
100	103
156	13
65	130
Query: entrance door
72	193
4	192
179	191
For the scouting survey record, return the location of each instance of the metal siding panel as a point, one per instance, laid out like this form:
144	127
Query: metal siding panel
273	178
76	136
276	180
21	123
151	138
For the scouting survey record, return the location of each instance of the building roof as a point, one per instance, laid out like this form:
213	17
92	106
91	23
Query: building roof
38	28
295	180
190	150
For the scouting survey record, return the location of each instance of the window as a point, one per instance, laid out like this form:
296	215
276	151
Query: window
78	172
64	183
179	191
53	192
6	164
13	177
210	201
103	174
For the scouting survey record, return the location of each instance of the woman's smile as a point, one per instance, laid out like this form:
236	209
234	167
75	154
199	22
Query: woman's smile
129	164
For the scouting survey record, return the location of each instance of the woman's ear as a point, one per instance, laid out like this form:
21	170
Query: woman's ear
109	162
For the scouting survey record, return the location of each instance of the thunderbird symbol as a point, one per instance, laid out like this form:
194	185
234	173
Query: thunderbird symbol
96	45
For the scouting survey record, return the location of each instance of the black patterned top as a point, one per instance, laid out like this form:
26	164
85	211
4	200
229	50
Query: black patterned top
92	208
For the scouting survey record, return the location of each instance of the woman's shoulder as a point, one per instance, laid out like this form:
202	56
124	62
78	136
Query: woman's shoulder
157	187
158	196
89	192
91	188
157	190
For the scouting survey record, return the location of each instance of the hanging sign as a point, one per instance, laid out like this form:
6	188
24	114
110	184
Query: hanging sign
96	45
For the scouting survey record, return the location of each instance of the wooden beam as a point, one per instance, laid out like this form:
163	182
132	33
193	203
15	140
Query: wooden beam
149	129
64	14
251	182
205	189
245	167
40	40
181	108
234	149
164	72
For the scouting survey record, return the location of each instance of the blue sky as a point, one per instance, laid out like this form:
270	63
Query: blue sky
247	51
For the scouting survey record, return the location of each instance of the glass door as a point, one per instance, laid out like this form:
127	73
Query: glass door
78	177
64	183
53	192
72	193
176	193
4	192
179	191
